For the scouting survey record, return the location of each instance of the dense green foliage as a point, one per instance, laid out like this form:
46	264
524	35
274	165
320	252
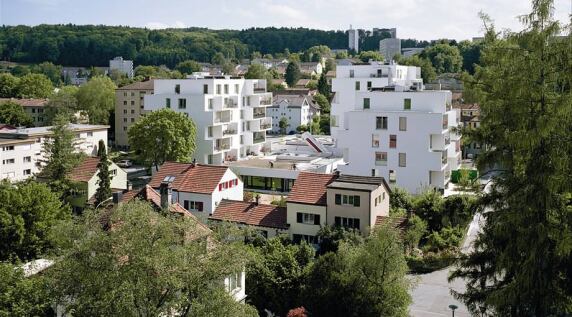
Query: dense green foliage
366	56
63	103
13	114
521	263
97	99
27	212
34	86
148	264
8	85
188	67
161	136
103	191
292	74
445	58
21	296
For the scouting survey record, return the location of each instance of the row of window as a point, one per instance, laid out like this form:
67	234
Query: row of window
351	223
392	141
133	93
182	103
367	101
379	199
8	148
228	184
25	159
352	200
219	88
309	219
26	172
193	205
381	123
381	159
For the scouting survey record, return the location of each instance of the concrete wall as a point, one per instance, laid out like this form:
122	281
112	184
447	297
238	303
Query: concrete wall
301	228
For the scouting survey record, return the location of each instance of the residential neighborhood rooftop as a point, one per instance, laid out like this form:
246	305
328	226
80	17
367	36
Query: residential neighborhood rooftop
142	85
311	188
22	133
189	177
26	102
85	170
250	213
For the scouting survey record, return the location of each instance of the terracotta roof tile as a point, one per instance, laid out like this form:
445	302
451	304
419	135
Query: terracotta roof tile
251	214
26	102
85	170
190	178
310	188
141	85
399	223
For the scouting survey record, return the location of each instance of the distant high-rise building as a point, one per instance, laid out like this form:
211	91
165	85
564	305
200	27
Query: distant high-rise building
353	39
122	65
379	31
389	48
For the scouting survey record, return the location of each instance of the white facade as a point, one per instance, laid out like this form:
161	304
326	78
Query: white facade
296	109
402	134
389	48
121	65
21	151
353	39
229	113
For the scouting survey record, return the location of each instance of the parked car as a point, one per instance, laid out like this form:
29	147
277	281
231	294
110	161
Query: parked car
124	163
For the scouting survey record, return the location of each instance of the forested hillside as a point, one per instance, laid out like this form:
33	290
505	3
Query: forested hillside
95	45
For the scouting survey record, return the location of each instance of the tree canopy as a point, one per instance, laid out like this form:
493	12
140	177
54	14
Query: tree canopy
34	86
97	99
162	136
293	74
13	114
445	58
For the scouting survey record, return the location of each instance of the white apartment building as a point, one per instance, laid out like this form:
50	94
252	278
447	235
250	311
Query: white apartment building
391	127
353	39
21	152
122	65
229	113
389	48
298	109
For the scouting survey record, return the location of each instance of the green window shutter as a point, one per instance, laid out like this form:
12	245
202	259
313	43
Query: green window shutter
356	201
299	217
316	219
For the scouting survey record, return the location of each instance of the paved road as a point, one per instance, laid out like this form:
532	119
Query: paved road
432	295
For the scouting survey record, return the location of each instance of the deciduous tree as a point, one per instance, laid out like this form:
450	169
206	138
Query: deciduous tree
162	136
8	85
13	114
34	86
97	99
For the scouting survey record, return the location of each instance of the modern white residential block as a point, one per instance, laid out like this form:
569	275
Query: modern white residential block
387	125
229	112
121	65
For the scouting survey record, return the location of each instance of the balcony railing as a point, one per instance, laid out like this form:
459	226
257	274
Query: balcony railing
222	147
258	114
229	132
231	104
266	101
258	138
265	126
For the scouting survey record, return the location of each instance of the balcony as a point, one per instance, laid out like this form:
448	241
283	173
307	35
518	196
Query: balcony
222	117
266	101
230	103
258	137
258	113
229	132
222	144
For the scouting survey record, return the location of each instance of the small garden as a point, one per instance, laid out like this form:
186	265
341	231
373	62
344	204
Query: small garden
436	227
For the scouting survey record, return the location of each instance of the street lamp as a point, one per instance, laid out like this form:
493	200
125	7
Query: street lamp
453	307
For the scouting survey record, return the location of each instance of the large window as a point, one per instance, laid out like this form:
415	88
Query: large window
182	103
402	160
352	223
205	89
268	183
177	89
406	104
353	200
392	141
234	281
193	205
218	91
308	219
168	102
366	103
381	123
357	85
402	123
381	158
226	89
375	140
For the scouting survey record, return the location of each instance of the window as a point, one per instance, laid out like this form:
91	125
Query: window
182	103
132	119
124	111
205	89
8	148
402	123
113	172
369	85
132	94
27	159
297	238
373	172
351	73
381	123
402	160
366	103
226	89
210	132
133	102
193	205
168	102
210	103
8	161
338	199
392	176
27	172
353	200
352	223
406	104
375	140
125	102
218	89
392	141
124	119
236	88
309	219
177	89
381	158
234	281
124	128
132	111
357	85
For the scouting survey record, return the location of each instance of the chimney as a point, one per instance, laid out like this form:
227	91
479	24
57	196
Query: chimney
117	197
129	186
257	199
166	191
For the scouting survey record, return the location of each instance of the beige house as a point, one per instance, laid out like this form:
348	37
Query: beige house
33	107
85	181
129	106
346	201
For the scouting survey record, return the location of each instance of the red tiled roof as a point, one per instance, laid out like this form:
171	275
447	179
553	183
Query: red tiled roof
26	102
149	194
399	223
190	178
310	188
85	170
141	85
251	214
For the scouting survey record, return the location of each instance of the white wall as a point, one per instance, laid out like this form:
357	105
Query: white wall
119	180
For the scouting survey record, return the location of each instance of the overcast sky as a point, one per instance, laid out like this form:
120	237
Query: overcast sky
420	19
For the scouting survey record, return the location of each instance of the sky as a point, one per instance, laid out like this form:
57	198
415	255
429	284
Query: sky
419	19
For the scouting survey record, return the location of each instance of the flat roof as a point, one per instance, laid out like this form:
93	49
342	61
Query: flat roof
26	132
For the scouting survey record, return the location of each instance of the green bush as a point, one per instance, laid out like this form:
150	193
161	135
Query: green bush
446	239
430	262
